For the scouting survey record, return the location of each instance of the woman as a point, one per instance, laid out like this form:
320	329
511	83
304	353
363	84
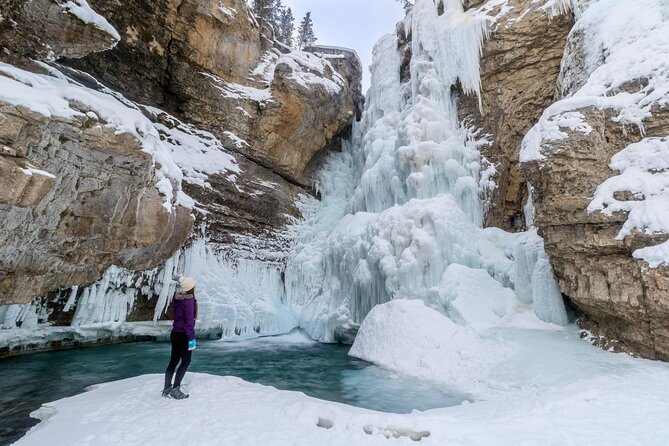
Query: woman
182	337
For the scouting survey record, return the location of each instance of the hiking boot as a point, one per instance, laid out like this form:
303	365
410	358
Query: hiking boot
177	394
166	392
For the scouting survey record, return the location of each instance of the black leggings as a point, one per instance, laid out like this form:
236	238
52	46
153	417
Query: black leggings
181	353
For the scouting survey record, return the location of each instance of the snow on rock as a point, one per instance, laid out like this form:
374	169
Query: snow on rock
408	336
232	90
57	96
197	152
623	43
309	69
83	11
230	12
644	173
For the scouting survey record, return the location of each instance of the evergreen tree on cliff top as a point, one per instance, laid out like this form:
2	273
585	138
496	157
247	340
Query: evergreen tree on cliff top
268	12
305	34
286	27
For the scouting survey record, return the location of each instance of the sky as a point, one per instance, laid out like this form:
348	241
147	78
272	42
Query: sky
356	24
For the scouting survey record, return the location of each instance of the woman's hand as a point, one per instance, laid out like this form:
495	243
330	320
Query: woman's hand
192	345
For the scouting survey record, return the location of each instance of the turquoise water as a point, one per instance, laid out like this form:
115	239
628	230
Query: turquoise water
320	370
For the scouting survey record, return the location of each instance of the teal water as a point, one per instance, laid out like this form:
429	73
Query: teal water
320	370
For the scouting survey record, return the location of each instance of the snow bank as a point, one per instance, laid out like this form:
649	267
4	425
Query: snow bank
473	298
624	404
407	336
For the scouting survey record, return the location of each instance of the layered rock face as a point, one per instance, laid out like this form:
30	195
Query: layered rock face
208	63
240	121
97	206
75	195
597	162
520	63
625	304
563	87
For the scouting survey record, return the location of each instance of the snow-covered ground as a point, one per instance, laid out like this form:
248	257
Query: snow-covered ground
550	388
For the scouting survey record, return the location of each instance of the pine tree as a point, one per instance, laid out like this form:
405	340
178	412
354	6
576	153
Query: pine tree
305	34
286	27
268	12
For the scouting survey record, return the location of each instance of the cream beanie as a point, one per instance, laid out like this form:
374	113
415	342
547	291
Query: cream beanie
186	283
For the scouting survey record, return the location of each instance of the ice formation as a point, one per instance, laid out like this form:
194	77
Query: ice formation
412	225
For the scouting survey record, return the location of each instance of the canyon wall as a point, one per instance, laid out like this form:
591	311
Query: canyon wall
129	130
585	104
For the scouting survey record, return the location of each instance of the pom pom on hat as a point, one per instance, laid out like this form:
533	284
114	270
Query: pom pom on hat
186	283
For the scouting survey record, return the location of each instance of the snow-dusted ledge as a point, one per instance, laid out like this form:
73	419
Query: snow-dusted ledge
44	337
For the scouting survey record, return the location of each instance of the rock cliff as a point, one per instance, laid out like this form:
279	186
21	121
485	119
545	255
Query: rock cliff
520	63
597	162
153	124
208	63
585	105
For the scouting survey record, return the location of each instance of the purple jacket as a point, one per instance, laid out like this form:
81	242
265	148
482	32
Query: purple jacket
185	308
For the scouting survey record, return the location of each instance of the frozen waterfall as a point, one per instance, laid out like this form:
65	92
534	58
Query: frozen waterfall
401	214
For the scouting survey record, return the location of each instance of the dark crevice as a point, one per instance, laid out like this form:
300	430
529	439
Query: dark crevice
171	100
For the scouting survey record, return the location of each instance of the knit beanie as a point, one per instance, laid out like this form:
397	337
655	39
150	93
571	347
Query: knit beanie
186	283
